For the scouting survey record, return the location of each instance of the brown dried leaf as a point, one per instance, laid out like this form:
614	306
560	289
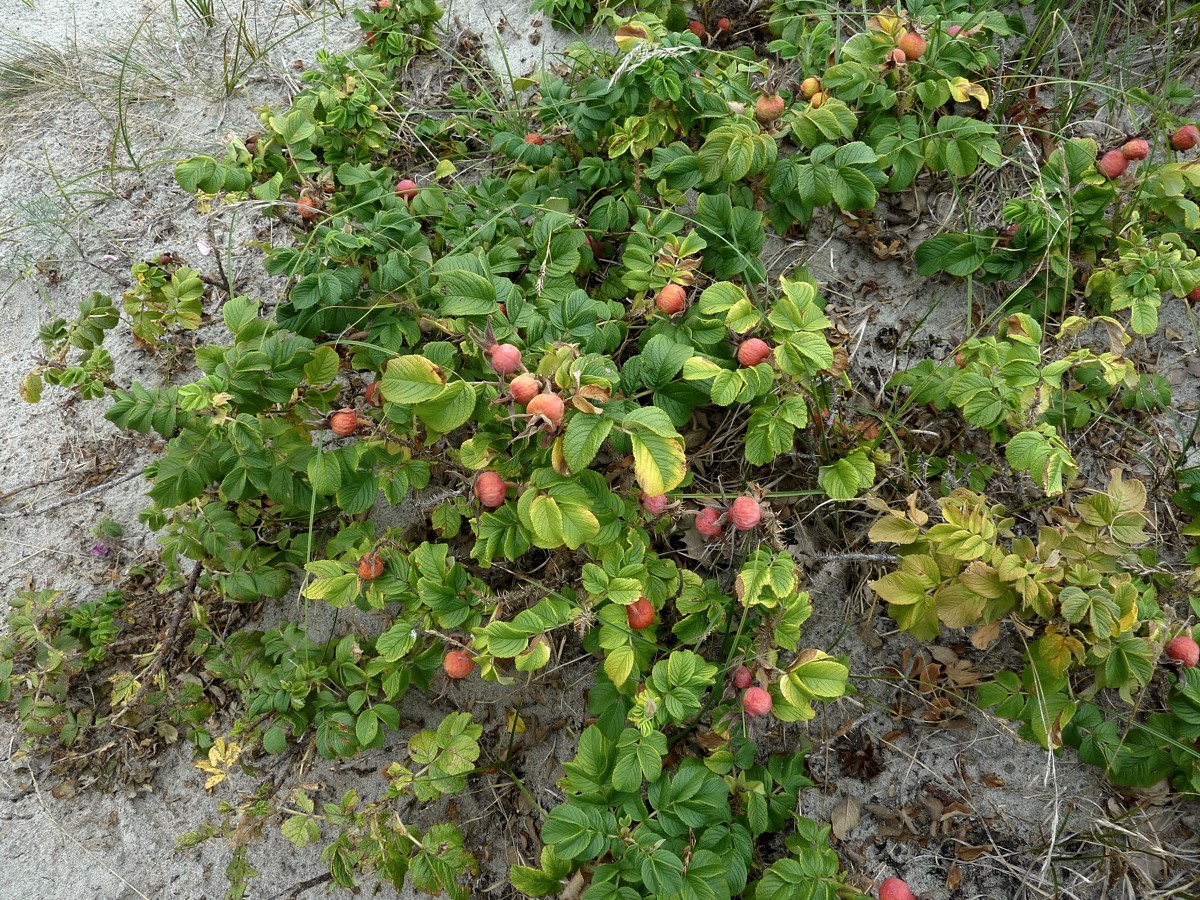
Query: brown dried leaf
970	854
944	655
841	361
558	460
845	816
915	513
953	878
962	674
983	636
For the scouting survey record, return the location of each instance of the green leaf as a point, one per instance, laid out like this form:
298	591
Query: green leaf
411	379
322	368
450	409
662	359
325	473
583	438
848	477
577	831
395	643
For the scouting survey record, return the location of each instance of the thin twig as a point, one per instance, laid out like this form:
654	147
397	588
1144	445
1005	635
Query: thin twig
168	639
854	557
67	501
35	484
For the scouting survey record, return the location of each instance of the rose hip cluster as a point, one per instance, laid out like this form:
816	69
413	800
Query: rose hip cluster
1113	163
743	514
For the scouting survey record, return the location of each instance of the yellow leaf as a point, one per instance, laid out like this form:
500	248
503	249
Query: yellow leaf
221	758
630	34
963	90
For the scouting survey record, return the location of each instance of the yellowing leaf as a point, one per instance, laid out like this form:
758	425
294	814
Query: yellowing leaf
629	35
962	90
221	758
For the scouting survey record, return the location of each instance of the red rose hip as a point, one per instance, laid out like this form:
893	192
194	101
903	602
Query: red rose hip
490	490
655	504
370	567
745	513
708	523
753	351
524	388
912	44
344	422
756	701
640	614
1184	650
458	664
768	108
505	358
741	678
1138	148
670	299
406	189
1185	138
895	889
548	405
1112	164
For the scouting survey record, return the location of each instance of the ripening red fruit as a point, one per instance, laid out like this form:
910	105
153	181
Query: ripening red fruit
655	504
534	138
344	422
406	189
670	299
370	567
756	701
741	678
549	405
384	4
1185	138
810	87
708	523
954	30
768	108
640	614
371	395
818	99
697	28
1138	148
490	490
1194	294
307	207
505	358
723	24
753	351
524	388
458	664
745	513
1112	164
1184	650
895	889
912	44
897	57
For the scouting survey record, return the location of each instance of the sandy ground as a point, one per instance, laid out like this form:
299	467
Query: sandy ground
81	203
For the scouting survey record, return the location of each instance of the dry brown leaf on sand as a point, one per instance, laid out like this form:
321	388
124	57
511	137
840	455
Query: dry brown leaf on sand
845	816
